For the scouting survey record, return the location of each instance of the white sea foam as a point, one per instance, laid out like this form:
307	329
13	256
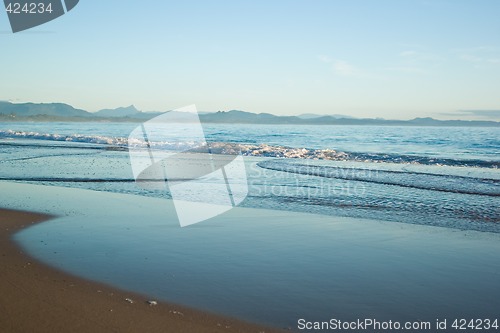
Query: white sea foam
257	150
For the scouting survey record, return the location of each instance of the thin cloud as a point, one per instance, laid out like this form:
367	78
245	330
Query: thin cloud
340	67
344	68
471	58
407	53
480	62
480	56
484	114
415	60
419	56
405	69
325	58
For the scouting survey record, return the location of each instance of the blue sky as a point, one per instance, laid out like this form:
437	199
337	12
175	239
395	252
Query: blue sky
391	59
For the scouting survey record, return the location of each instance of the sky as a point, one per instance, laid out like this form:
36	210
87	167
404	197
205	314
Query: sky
374	58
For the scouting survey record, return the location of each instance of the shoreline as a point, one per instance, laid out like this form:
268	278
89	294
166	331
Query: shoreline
36	297
370	269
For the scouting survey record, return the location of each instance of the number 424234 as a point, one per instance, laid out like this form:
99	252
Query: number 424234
29	8
475	324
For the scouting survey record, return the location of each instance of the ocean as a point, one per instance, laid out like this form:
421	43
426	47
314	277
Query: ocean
423	175
347	222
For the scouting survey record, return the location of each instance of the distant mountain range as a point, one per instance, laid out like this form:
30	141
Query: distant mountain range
32	109
125	112
64	112
128	111
313	115
61	111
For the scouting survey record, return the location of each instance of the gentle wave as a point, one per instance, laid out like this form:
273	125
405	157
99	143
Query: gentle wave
96	139
67	180
86	180
257	150
425	181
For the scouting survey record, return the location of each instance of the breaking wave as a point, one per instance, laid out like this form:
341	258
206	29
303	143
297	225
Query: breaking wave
96	139
257	150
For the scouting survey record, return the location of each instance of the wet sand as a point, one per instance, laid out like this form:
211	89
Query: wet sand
38	298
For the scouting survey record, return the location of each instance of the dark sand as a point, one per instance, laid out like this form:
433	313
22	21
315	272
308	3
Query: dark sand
38	298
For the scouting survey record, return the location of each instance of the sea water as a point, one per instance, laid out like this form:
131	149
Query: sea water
278	267
422	175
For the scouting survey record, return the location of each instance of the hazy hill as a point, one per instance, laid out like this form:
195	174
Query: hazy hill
125	112
49	109
235	116
243	117
129	111
314	115
60	112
